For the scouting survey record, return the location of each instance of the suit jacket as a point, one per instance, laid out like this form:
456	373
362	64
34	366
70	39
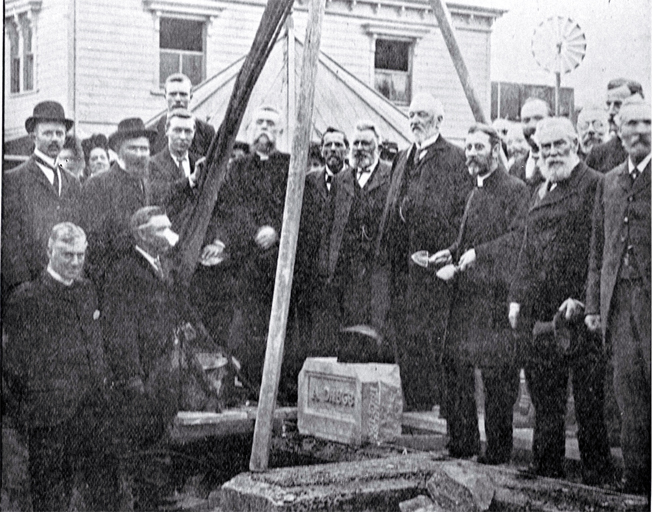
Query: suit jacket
140	315
621	218
343	196
204	134
54	355
109	200
518	170
31	207
604	157
493	225
170	187
554	258
428	220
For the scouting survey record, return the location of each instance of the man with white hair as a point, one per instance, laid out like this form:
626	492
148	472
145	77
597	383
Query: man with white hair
247	225
358	196
422	212
547	298
592	127
618	291
609	154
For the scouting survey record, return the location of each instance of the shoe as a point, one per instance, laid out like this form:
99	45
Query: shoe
461	453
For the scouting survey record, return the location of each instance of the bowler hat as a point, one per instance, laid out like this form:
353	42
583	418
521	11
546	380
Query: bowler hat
47	111
130	128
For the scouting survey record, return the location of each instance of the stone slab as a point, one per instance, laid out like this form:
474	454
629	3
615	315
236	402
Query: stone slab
349	402
380	485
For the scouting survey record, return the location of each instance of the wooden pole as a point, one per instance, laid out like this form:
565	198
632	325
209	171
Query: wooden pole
557	93
446	26
288	243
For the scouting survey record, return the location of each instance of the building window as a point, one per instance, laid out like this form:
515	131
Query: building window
392	70
181	49
21	55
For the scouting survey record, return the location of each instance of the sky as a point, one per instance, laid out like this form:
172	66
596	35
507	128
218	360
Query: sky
618	44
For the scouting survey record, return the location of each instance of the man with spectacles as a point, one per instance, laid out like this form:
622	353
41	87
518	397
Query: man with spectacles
547	298
592	127
608	155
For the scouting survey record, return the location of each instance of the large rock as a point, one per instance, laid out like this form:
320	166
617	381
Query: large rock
348	402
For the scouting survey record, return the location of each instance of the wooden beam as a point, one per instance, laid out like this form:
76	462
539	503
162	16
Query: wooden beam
446	26
288	243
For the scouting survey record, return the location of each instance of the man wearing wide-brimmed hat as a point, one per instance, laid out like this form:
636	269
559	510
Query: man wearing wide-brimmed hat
109	199
37	195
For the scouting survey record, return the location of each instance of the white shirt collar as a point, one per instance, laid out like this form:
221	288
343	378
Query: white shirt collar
641	166
45	157
155	261
428	142
57	277
482	179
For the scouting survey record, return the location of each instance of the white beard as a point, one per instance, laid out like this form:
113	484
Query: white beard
558	172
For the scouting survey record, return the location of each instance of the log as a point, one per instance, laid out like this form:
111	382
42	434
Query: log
288	243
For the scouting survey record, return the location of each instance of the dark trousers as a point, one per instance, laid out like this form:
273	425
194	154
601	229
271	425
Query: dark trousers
66	455
501	390
547	373
629	335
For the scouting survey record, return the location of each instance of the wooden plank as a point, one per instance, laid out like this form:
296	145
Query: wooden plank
288	243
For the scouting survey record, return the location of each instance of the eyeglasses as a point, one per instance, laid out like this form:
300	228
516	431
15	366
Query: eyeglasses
597	124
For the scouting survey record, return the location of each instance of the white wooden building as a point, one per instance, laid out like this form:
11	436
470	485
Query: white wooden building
105	60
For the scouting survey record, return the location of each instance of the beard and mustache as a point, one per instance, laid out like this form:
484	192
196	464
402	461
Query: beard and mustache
136	165
263	144
478	165
556	169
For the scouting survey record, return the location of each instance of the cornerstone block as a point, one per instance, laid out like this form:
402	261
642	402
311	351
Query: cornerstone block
350	402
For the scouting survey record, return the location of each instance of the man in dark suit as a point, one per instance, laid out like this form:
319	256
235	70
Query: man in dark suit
312	293
109	199
526	168
478	334
618	291
361	288
423	211
172	171
178	95
55	370
608	155
37	195
549	284
143	336
247	224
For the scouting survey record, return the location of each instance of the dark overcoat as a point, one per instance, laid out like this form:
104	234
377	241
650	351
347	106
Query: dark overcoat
171	188
54	355
31	207
363	283
554	258
604	157
140	317
621	217
109	200
425	218
493	225
204	133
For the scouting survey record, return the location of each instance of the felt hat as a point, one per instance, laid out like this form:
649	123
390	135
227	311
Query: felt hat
47	111
130	128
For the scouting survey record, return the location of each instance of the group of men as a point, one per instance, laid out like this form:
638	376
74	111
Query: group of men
454	261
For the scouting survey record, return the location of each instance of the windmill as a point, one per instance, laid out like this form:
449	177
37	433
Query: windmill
558	46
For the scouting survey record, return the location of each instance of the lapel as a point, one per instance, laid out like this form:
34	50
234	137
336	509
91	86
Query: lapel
378	178
39	177
321	184
433	150
643	180
175	172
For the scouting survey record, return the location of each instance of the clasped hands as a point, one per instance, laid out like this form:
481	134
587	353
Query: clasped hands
445	258
571	309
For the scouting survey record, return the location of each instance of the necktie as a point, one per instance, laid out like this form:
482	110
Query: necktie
361	173
329	180
635	173
54	169
159	267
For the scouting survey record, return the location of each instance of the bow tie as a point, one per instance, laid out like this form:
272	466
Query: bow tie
364	171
